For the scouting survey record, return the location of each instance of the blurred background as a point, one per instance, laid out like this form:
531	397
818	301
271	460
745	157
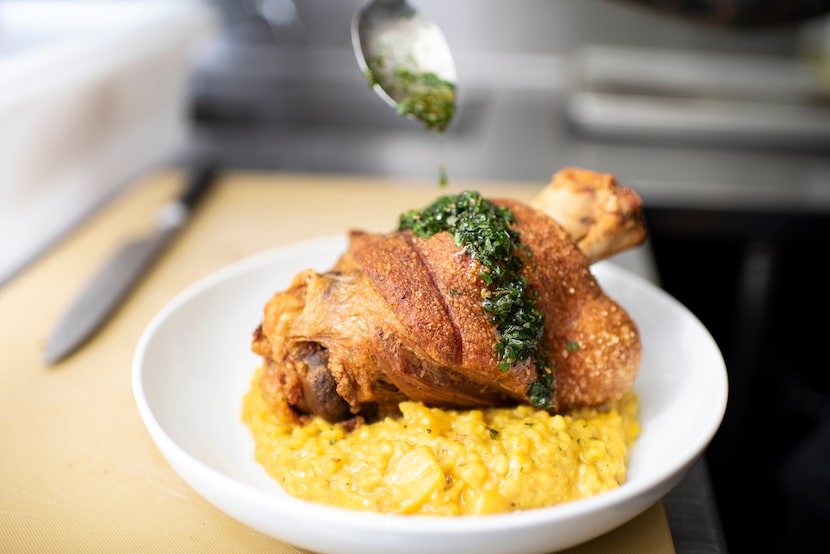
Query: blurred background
723	129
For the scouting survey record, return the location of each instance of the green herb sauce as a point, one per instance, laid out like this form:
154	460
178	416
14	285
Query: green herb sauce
422	95
443	180
484	231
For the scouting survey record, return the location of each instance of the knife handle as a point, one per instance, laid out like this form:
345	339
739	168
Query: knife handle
201	177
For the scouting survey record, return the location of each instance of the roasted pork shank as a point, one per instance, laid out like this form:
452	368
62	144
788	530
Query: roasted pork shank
399	316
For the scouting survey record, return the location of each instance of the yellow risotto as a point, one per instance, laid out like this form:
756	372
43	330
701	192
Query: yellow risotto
442	462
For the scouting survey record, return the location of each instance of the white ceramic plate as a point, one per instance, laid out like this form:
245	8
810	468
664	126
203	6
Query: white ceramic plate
193	364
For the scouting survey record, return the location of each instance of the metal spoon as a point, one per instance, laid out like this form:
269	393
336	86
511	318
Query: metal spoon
407	60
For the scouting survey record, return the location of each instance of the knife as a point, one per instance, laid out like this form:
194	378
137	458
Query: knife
105	292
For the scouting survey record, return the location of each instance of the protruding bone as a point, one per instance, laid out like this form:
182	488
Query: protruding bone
602	216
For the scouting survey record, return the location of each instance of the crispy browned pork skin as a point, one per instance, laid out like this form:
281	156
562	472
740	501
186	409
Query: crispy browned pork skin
400	317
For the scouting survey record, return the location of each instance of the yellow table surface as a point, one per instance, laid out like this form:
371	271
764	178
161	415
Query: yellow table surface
78	470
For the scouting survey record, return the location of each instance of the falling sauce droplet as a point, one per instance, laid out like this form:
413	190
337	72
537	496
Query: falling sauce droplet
443	179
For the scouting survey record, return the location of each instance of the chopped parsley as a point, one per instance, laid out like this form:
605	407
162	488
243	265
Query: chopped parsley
484	231
422	95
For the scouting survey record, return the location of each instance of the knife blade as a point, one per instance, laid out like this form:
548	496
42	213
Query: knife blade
118	276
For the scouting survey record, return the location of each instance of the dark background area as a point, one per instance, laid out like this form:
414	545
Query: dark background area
746	276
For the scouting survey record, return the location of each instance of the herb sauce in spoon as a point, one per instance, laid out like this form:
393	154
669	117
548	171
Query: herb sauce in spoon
407	61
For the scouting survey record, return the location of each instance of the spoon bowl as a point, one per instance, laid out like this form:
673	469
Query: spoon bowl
407	61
